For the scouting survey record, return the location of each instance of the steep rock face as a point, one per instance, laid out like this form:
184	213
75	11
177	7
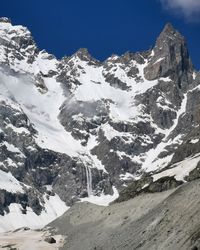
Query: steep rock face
170	58
79	127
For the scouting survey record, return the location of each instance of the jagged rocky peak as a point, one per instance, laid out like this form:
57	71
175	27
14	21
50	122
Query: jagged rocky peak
170	58
127	57
5	20
83	52
84	55
11	30
16	43
170	31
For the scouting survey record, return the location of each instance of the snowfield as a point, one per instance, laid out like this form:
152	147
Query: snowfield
54	208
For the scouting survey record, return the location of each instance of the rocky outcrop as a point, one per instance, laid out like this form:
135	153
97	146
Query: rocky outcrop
147	185
170	58
194	174
29	199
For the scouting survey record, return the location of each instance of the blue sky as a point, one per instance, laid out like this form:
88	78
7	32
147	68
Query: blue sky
104	27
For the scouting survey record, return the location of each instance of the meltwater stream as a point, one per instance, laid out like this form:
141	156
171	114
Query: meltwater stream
89	180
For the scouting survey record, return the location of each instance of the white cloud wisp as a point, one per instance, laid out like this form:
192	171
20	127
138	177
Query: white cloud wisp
189	8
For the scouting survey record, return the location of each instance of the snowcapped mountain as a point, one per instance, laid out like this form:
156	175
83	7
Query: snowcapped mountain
80	129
